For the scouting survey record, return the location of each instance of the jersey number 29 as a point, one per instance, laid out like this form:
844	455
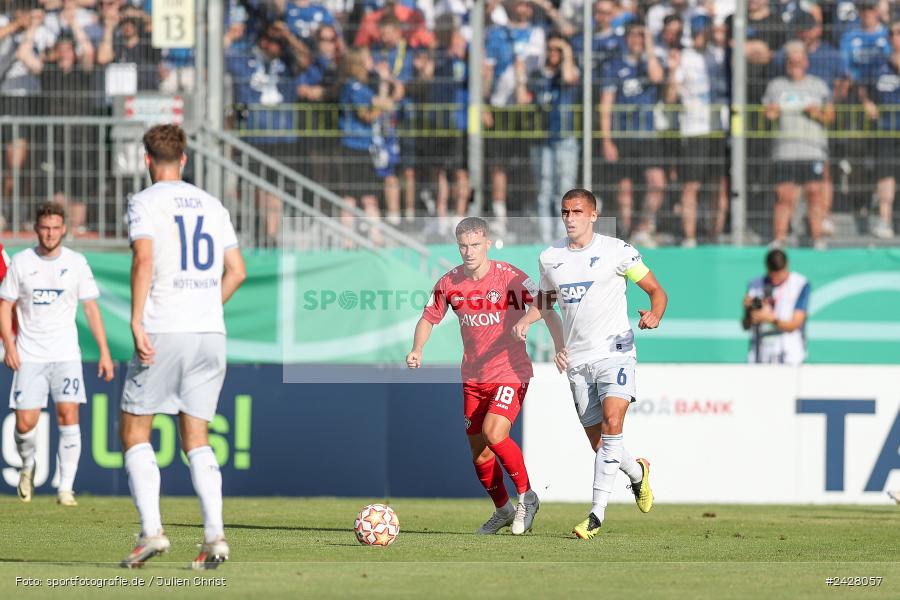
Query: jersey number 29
198	238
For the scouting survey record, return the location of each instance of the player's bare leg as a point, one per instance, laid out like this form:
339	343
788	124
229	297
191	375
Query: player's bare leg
496	433
26	445
69	451
490	474
207	480
143	481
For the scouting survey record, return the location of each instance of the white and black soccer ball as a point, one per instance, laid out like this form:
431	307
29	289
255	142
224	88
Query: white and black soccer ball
376	525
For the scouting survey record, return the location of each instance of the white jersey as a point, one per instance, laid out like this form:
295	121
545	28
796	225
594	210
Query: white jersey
694	90
190	230
589	284
769	344
46	292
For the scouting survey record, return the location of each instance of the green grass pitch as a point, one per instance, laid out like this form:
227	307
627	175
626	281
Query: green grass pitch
304	548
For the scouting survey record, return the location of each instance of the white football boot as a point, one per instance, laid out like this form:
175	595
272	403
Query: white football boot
525	512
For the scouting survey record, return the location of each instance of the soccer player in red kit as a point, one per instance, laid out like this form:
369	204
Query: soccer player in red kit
488	298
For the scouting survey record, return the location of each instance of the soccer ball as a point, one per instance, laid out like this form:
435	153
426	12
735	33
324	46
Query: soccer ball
376	525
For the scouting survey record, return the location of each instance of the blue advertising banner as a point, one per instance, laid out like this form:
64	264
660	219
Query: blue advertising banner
278	439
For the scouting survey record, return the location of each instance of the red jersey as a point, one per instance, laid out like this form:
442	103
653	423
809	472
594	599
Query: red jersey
487	309
4	265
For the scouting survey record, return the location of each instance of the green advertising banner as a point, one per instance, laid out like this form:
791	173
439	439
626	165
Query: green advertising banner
348	307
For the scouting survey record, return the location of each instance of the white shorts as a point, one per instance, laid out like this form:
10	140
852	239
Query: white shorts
592	382
185	377
33	382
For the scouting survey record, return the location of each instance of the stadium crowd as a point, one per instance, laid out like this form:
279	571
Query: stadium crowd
370	99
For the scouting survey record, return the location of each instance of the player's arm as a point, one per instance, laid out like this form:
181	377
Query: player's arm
9	341
141	276
423	332
235	273
95	321
658	299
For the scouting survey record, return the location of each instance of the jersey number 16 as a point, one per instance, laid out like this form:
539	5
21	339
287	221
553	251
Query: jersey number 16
198	238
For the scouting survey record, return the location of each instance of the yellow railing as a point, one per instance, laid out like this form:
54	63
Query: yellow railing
531	122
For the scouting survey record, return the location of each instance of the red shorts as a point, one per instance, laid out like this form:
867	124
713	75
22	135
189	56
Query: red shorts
499	398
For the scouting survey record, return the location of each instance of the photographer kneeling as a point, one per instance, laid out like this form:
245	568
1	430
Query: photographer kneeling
775	313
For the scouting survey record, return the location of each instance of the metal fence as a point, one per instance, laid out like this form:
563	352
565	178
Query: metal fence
681	147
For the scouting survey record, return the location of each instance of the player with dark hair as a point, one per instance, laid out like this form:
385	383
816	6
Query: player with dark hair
45	285
488	297
186	265
586	272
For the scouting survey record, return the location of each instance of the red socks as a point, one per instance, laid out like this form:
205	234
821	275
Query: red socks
491	477
511	458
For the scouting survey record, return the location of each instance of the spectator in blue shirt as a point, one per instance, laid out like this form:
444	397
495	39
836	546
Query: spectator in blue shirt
844	18
864	46
554	90
450	94
881	103
368	147
607	42
304	17
512	52
629	94
316	89
264	91
394	65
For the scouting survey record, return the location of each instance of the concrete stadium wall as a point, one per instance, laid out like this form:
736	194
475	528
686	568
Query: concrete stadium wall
732	433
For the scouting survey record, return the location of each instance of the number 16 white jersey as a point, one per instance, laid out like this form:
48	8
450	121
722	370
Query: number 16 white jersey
190	230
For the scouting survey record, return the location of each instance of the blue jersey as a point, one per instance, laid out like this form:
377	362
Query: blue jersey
825	62
604	46
557	100
311	76
399	60
886	91
520	37
845	18
498	48
451	86
633	88
303	21
863	51
265	86
356	134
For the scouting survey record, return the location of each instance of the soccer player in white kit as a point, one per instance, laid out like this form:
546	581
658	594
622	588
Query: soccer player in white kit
45	285
586	272
186	264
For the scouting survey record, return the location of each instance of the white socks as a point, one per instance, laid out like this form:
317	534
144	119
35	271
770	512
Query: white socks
631	467
26	445
207	479
68	455
143	481
606	466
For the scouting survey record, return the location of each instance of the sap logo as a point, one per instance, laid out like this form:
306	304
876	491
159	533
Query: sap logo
480	319
45	296
573	292
836	412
